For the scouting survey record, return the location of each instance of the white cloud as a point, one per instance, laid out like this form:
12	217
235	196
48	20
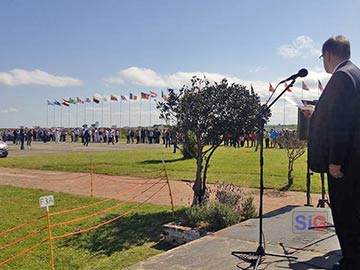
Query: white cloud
150	78
9	110
24	77
302	46
137	76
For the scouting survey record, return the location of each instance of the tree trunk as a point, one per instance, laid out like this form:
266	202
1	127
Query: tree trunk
290	175
207	162
197	187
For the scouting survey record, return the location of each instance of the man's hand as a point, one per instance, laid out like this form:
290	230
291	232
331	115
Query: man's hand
335	171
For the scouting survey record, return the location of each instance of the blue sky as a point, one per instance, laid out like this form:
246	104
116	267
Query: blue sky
62	49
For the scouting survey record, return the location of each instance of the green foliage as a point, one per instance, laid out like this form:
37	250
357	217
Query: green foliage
220	215
248	209
195	216
230	206
210	112
189	147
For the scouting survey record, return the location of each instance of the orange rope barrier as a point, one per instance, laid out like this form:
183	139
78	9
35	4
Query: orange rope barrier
152	186
21	225
96	203
109	221
121	181
23	252
100	212
75	220
23	238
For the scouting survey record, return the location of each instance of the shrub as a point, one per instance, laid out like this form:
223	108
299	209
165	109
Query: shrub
194	216
229	206
220	215
188	149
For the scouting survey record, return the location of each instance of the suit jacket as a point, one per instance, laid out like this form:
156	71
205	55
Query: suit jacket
334	135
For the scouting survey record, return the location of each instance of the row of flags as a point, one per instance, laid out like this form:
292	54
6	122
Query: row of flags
146	96
97	99
303	86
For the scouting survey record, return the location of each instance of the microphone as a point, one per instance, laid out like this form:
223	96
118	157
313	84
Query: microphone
301	73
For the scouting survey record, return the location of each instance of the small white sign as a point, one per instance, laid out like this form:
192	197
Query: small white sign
46	201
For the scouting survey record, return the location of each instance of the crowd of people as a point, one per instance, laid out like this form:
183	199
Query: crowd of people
253	139
167	137
88	135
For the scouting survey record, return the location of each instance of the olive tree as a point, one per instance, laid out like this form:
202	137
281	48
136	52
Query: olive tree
294	148
209	112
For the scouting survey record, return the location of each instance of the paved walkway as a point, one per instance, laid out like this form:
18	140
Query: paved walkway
122	187
220	250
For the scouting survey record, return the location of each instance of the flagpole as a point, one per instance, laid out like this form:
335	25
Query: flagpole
85	112
150	111
77	108
284	111
69	116
102	113
54	117
47	115
129	112
120	117
61	112
110	113
120	113
93	108
140	111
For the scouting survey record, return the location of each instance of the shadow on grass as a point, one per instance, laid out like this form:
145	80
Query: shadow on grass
158	161
127	232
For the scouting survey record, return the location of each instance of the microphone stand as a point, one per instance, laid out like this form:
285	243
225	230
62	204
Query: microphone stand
260	251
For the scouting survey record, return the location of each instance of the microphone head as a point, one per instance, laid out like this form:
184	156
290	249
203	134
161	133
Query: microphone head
303	72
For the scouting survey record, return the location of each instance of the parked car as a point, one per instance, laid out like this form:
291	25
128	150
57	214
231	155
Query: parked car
4	149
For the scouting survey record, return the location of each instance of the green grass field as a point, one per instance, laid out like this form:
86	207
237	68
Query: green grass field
113	246
238	166
135	237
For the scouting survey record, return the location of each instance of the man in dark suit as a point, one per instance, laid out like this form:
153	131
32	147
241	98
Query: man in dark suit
334	146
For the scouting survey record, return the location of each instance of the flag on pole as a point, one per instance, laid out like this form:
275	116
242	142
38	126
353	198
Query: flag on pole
49	102
132	96
56	102
145	96
113	98
289	90
96	99
79	100
72	101
66	103
305	87
320	86
124	98
164	97
271	88
153	94
88	100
